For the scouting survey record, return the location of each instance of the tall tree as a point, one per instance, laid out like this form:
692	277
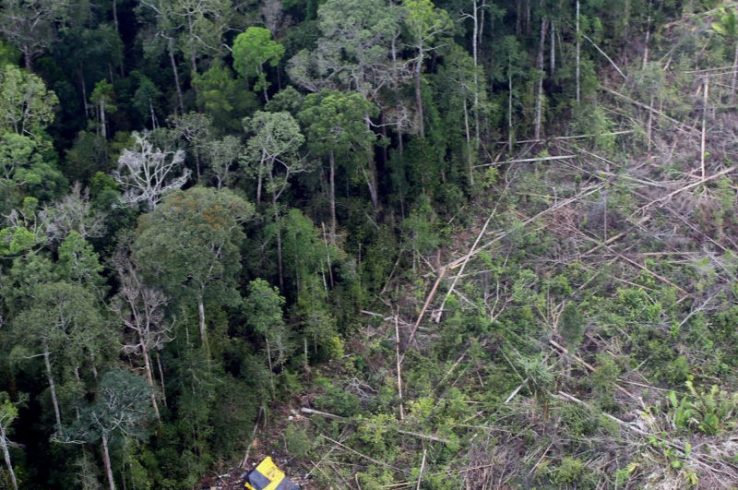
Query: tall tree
195	27
64	327
425	24
79	263
264	309
25	171
464	101
273	150
336	125
222	156
253	51
104	100
120	410
275	139
196	129
146	173
26	105
31	25
356	51
8	414
189	246
140	309
223	98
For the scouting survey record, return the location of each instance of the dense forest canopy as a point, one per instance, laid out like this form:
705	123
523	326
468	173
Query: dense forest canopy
391	243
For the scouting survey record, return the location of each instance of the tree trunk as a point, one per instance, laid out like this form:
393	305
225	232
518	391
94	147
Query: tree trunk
106	462
552	47
468	146
161	380
28	59
475	54
647	42
539	67
260	179
102	120
578	56
84	92
271	369
177	83
52	389
203	326
115	15
419	95
705	101
6	456
510	132
196	152
193	53
153	116
278	224
332	159
734	79
371	183
150	377
264	89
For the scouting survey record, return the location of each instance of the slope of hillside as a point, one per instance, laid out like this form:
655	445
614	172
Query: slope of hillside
581	330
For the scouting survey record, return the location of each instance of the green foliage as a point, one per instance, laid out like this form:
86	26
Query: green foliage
26	170
727	23
710	412
335	122
252	51
571	325
27	106
571	472
336	400
200	222
16	240
425	22
88	155
393	134
298	441
78	262
420	228
222	97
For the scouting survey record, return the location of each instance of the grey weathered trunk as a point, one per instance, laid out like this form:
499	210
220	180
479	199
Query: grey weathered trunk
260	178
734	79
177	84
475	55
552	49
115	15
332	159
578	57
201	315
6	456
161	380
106	462
28	59
52	389
103	128
83	86
271	368
150	377
419	96
278	224
539	67
509	109
468	145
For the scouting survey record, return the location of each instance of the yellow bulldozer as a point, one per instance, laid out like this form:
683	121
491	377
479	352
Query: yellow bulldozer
267	476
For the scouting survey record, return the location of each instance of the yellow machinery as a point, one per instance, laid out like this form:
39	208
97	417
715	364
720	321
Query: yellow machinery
267	476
